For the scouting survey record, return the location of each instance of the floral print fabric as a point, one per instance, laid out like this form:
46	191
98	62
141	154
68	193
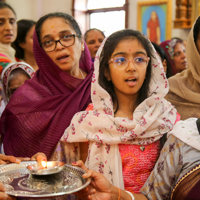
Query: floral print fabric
176	159
151	119
137	162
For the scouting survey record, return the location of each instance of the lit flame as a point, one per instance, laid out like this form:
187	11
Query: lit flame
44	164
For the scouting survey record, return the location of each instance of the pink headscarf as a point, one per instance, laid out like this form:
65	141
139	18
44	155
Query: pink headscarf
168	47
39	112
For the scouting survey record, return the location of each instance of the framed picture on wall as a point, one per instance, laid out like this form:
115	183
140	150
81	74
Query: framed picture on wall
155	19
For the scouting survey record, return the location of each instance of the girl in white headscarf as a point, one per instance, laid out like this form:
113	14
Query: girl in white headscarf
129	114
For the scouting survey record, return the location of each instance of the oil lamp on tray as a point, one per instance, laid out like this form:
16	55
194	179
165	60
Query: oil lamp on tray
46	167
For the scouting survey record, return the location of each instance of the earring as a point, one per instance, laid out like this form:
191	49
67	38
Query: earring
83	48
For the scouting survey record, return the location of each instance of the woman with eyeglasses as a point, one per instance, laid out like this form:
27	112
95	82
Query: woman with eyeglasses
128	115
39	111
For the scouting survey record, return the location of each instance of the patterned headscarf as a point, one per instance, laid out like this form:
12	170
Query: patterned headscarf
168	47
151	119
7	72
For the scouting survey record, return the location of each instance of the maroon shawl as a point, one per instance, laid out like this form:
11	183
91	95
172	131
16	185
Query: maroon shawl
39	111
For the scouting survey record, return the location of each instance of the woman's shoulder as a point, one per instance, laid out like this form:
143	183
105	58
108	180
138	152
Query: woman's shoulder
4	58
175	99
4	61
188	191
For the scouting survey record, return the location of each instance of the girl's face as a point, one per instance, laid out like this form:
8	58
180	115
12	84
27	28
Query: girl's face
127	82
8	26
66	58
28	44
93	41
180	60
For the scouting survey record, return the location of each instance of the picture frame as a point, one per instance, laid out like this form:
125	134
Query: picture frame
155	19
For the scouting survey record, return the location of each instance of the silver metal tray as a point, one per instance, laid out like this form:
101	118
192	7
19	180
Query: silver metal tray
19	183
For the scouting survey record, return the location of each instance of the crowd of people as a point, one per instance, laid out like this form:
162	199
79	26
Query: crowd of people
122	107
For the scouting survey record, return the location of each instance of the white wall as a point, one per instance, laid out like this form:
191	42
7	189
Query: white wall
24	8
34	9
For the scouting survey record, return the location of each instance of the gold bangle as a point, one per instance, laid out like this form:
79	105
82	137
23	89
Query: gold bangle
119	193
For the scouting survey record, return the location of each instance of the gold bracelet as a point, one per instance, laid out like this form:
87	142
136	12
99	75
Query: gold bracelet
119	193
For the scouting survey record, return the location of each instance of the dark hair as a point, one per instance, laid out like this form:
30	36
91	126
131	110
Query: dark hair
196	30
68	19
24	26
163	56
93	29
109	46
5	5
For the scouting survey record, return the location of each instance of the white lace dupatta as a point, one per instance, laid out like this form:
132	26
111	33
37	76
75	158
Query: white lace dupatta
151	119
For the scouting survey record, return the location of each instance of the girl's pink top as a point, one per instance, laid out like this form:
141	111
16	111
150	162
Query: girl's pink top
137	161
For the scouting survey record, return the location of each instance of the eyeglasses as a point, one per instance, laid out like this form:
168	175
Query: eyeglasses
65	41
122	62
